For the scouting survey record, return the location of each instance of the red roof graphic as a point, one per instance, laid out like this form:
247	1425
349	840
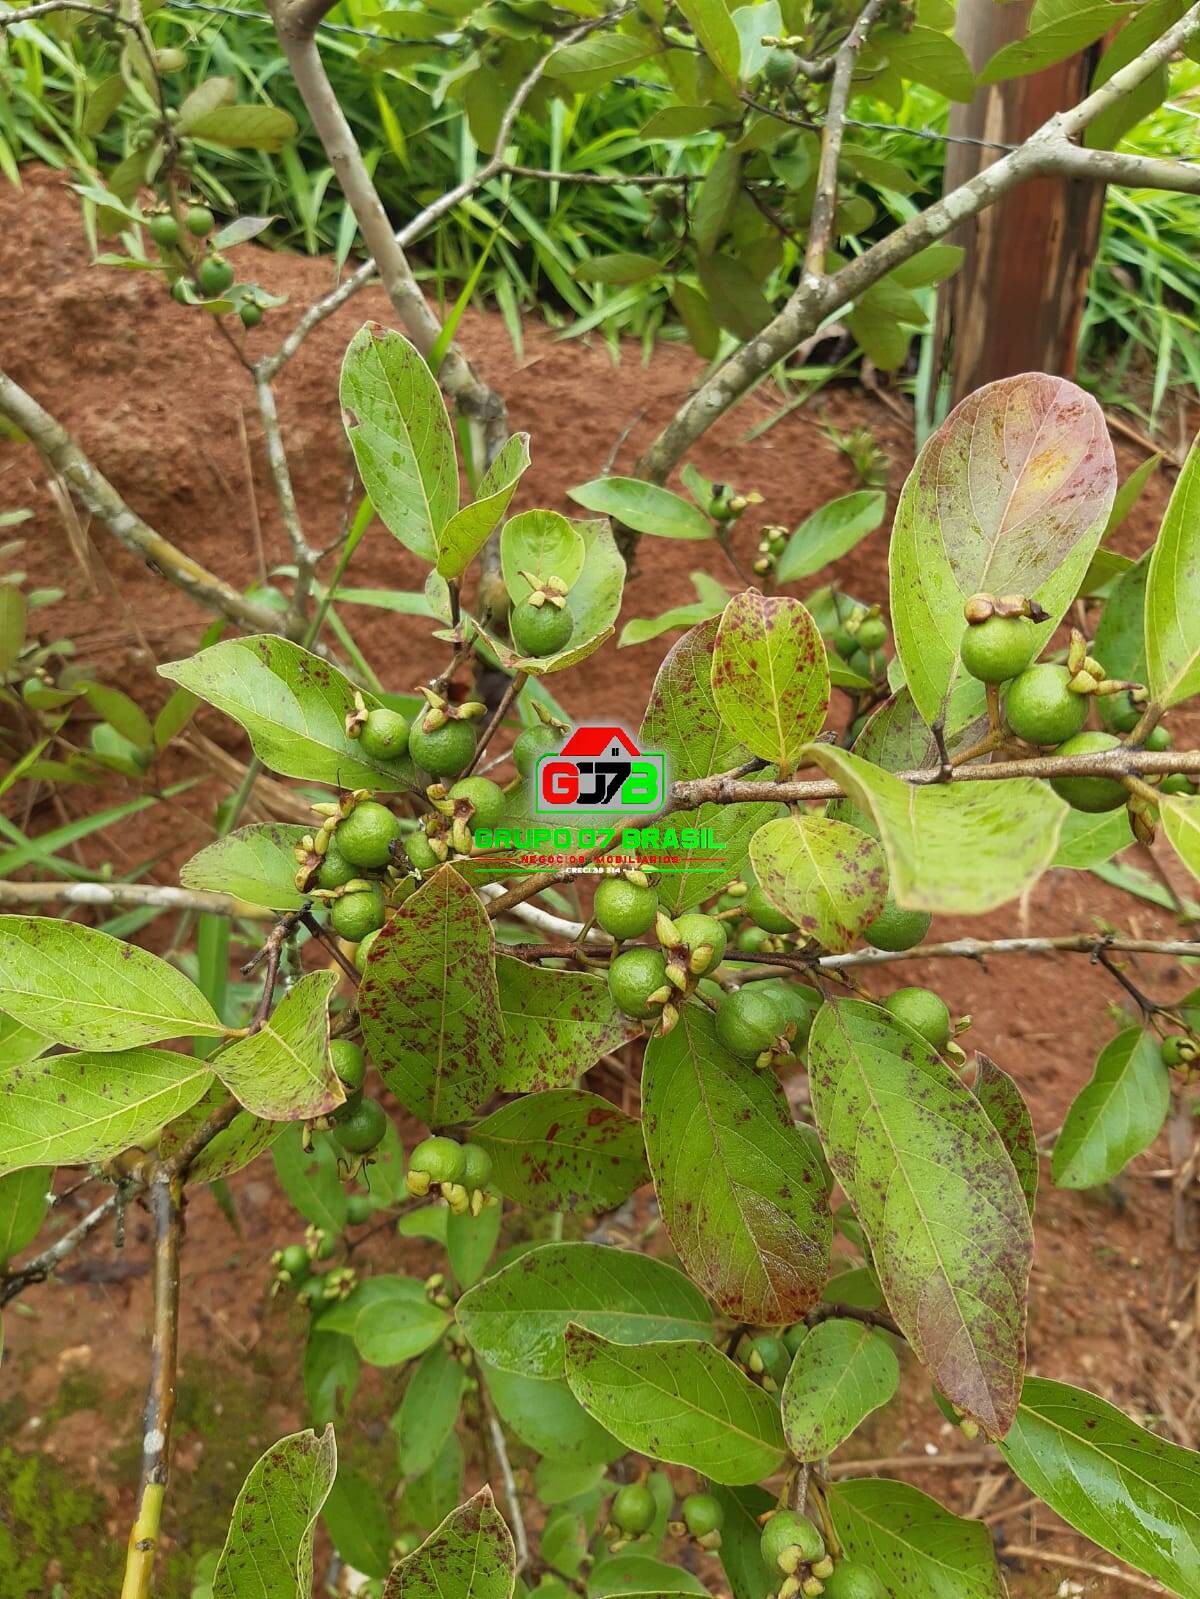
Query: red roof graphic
589	741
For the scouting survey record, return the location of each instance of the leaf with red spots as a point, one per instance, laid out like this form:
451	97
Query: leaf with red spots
294	707
563	1150
1011	495
556	1025
682	720
741	1191
72	1109
683	1402
1009	1115
827	877
937	1196
269	1551
283	1071
954	848
470	1556
429	1003
770	676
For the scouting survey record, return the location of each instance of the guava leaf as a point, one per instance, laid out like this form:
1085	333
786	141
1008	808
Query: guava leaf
465	534
390	1319
1008	1113
516	1319
937	1196
841	1373
914	1545
556	1024
24	1200
283	1071
831	530
1173	593
644	507
397	425
429	1002
1089	839
770	680
960	848
546	1415
252	863
429	1409
827	877
1117	1115
563	1150
683	1402
1011	495
269	1551
71	1109
1134	1494
76	985
741	1192
543	543
470	1556
682	721
294	707
1181	822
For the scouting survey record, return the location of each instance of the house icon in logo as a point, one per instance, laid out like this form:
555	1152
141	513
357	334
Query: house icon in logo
604	743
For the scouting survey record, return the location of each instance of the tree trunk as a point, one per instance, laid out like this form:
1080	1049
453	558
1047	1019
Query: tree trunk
1017	302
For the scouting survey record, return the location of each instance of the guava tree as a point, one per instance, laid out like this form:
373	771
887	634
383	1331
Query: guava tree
836	1177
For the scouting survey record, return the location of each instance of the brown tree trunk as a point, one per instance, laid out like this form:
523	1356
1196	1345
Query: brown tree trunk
1017	302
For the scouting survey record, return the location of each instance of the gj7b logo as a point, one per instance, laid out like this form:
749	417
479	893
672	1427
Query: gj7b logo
599	769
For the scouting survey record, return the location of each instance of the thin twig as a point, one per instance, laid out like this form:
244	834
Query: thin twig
1018	1551
41	1266
108	895
500	1446
824	206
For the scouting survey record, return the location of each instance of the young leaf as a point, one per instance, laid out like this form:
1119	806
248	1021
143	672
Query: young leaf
557	1024
1173	593
831	530
827	877
1010	495
398	428
269	1550
471	1556
1181	823
516	1319
913	1544
958	848
24	1200
253	863
563	1150
841	1373
1090	839
358	1523
541	542
283	1071
741	1191
471	1243
716	34
75	985
546	1415
682	720
390	1319
1009	1115
246	127
1132	1493
429	1002
68	1110
311	1179
465	534
594	602
937	1196
770	680
686	1403
644	507
294	707
429	1409
1119	1113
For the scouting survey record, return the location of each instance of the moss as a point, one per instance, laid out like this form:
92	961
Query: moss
46	1515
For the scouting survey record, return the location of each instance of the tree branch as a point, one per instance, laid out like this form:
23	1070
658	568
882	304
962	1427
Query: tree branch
824	207
1048	152
166	1204
110	895
41	1266
303	553
97	495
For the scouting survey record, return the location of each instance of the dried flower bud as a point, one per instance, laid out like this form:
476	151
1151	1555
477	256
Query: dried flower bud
978	608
